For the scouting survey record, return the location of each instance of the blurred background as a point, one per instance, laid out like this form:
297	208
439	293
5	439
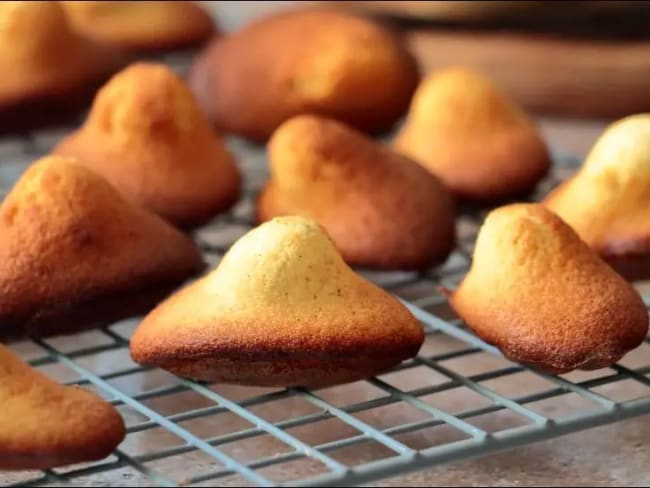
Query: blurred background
574	64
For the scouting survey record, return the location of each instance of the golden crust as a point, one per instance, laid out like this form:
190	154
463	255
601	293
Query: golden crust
469	134
381	209
305	61
141	25
147	136
316	373
283	300
606	202
543	297
44	425
68	239
42	58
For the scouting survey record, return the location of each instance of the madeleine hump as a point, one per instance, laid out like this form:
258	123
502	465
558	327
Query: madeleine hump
381	209
542	296
74	253
281	309
44	424
607	202
305	61
44	61
144	26
147	136
467	132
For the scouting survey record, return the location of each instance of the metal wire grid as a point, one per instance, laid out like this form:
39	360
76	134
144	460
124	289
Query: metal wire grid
459	398
418	292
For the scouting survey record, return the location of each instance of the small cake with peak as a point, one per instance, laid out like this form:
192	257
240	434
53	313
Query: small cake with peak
305	61
74	253
473	137
147	136
141	25
542	296
44	424
607	201
43	59
281	309
381	209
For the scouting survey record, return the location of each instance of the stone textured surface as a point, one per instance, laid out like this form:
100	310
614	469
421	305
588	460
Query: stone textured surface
611	455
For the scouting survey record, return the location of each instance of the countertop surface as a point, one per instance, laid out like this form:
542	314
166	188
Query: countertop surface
615	454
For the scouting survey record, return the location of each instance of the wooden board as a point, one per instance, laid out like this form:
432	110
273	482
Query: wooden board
549	75
559	57
481	11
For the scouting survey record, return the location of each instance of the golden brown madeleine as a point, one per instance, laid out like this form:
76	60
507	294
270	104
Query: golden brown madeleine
280	309
141	25
68	240
147	136
542	296
305	61
44	424
473	137
381	209
608	201
41	57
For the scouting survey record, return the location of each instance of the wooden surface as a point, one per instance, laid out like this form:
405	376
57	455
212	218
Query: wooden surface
613	455
480	11
559	57
577	77
576	59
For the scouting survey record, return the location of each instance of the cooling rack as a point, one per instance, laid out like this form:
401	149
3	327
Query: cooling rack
458	399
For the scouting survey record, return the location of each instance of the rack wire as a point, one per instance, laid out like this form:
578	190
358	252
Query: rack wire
459	398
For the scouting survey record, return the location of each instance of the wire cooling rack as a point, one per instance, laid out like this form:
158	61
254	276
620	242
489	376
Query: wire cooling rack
458	399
